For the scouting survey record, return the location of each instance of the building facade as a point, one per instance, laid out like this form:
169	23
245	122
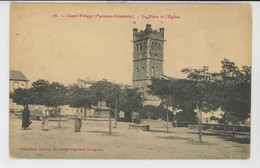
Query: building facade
148	57
16	80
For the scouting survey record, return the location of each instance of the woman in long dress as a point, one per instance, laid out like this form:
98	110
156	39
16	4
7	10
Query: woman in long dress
78	121
45	117
26	118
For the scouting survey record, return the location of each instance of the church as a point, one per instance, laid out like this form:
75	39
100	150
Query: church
148	47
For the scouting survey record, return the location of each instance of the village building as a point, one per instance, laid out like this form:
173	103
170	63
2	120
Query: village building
17	80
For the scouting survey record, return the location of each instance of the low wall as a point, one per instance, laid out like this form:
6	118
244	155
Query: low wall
140	127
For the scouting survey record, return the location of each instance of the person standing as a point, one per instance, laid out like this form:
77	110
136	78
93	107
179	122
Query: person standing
45	118
78	121
26	118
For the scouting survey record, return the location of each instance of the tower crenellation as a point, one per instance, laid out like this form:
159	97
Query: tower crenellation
148	33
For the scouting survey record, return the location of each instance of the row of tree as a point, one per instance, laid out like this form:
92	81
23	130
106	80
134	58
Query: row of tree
54	95
228	90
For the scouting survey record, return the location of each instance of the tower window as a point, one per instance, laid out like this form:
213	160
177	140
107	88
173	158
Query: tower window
137	47
153	71
137	69
141	46
156	55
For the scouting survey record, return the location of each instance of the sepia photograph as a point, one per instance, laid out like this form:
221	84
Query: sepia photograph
130	81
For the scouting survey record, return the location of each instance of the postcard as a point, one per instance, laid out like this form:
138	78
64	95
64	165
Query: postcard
130	81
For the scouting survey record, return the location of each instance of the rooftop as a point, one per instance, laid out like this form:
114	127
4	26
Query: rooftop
17	75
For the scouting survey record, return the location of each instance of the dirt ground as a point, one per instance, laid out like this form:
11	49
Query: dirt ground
93	142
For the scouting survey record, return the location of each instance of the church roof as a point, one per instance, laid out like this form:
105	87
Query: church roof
17	75
170	78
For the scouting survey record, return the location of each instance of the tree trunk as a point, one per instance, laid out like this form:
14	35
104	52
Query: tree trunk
225	127
174	113
225	123
233	129
109	131
59	118
85	113
167	119
199	123
59	122
116	114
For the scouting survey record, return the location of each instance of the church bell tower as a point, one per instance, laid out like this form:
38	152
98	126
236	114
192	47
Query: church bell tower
148	60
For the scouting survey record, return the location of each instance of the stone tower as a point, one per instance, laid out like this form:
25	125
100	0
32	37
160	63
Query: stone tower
148	47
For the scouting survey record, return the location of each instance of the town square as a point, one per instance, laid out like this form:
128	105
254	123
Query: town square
138	82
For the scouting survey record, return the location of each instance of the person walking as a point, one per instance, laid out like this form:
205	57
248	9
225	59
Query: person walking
78	121
26	118
45	118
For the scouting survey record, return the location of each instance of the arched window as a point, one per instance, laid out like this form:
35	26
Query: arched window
153	71
141	46
137	48
158	71
143	69
137	69
143	74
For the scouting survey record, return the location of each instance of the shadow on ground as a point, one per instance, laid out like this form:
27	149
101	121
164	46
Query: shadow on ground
62	127
190	140
103	133
239	137
161	131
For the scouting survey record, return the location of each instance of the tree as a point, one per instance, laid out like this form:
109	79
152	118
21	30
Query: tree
40	88
23	97
194	93
155	113
80	98
163	89
113	93
50	95
130	100
201	91
235	95
108	92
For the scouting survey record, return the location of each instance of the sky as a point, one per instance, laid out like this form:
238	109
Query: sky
65	49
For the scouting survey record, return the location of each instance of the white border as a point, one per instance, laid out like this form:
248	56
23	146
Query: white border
5	162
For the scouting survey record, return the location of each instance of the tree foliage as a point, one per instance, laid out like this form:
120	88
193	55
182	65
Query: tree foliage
23	96
130	100
80	97
155	113
235	95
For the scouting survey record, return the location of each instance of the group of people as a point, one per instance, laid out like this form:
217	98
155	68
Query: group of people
26	122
